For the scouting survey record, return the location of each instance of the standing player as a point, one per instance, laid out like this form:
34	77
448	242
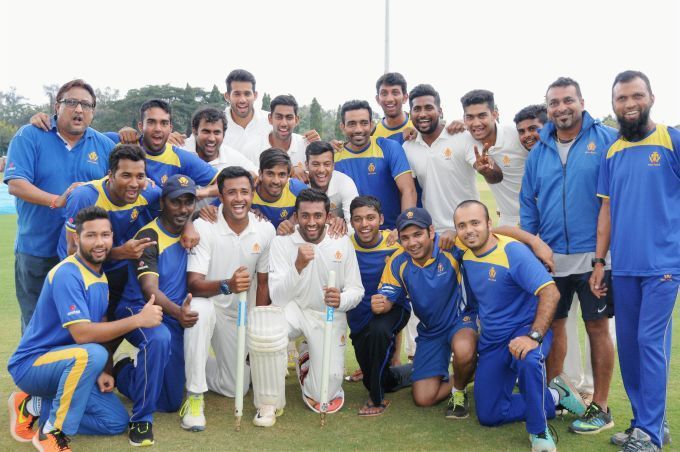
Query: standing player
528	122
501	149
80	153
214	282
156	380
517	299
299	266
640	181
392	95
377	166
374	329
558	202
60	357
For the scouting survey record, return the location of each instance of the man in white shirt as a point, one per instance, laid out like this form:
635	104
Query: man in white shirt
339	187
232	257
283	119
501	144
443	164
298	278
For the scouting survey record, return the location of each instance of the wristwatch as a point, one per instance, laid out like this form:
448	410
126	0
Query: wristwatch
597	260
535	335
224	287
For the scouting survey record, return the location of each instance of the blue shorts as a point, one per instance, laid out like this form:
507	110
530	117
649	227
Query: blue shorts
433	354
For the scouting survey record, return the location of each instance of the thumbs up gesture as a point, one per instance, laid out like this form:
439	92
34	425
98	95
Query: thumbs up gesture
151	314
187	318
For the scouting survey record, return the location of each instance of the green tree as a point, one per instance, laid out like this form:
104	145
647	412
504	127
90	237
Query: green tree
610	121
7	131
215	98
315	116
14	109
266	101
338	120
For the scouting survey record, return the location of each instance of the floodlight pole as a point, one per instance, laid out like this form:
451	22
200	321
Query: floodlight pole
387	36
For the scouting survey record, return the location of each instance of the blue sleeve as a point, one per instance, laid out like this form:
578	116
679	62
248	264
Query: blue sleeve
296	186
113	136
675	140
70	295
528	210
201	172
21	157
81	197
603	177
525	268
391	284
396	157
152	194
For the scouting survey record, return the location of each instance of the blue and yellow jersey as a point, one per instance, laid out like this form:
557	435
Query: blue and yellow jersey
435	289
374	170
174	160
71	293
284	207
126	220
505	281
397	133
642	181
167	260
372	262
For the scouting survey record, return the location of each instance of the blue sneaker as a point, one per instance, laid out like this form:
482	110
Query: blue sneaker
543	442
569	396
594	420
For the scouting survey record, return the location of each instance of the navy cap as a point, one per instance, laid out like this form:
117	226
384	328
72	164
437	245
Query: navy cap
414	216
178	185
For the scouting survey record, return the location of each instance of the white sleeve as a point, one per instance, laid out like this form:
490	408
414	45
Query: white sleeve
352	290
243	161
199	260
283	276
348	193
263	261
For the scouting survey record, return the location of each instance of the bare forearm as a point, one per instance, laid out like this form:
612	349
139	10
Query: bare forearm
102	332
203	288
493	175
25	190
262	294
516	233
604	226
169	307
408	198
545	311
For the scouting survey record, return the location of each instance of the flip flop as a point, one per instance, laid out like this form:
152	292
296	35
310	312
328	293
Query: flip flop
357	375
363	412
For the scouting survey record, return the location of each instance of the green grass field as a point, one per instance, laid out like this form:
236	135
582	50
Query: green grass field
403	427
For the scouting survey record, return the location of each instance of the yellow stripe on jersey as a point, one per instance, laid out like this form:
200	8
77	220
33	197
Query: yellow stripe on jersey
81	358
164	240
382	246
454	264
89	278
76	321
660	137
105	203
542	286
168	156
387	276
287	198
371	151
497	256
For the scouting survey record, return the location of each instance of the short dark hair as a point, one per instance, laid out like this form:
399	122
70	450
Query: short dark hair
538	112
240	75
318	148
563	82
313	195
365	201
284	99
77	83
423	90
273	157
155	103
471	202
478	96
89	213
125	152
210	115
391	79
355	104
627	76
233	172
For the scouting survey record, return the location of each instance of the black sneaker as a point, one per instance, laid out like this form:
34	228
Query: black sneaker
141	434
458	406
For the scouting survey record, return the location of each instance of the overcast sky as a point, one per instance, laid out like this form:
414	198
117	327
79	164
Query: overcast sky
333	49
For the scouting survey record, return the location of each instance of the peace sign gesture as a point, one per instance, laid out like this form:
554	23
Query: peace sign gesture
486	166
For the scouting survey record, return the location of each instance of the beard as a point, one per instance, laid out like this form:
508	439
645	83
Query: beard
430	130
634	130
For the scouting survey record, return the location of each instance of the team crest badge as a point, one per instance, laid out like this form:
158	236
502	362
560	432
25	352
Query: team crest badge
183	181
164	179
409	215
257	248
492	274
466	318
667	277
591	148
440	268
92	157
506	160
371	168
284	213
333	206
447	153
134	214
338	255
343	340
654	158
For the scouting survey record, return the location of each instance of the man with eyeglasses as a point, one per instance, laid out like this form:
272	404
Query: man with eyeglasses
42	168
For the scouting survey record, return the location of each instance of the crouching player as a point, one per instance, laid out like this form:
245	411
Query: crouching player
517	299
60	359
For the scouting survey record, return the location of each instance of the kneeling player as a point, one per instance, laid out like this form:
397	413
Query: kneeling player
507	281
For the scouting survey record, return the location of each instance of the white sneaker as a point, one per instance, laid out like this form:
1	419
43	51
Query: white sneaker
193	418
266	416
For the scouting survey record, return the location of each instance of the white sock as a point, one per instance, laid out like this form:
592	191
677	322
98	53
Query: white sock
48	427
455	390
555	395
33	406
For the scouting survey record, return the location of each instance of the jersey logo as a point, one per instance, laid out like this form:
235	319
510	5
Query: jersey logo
284	213
371	168
667	277
440	268
506	160
591	148
343	341
654	158
92	157
183	181
338	256
164	179
11	166
142	266
466	318
492	274
333	206
134	214
447	153
257	248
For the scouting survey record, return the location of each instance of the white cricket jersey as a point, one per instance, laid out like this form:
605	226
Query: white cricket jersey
298	145
509	154
445	173
221	251
306	288
237	137
228	156
341	191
